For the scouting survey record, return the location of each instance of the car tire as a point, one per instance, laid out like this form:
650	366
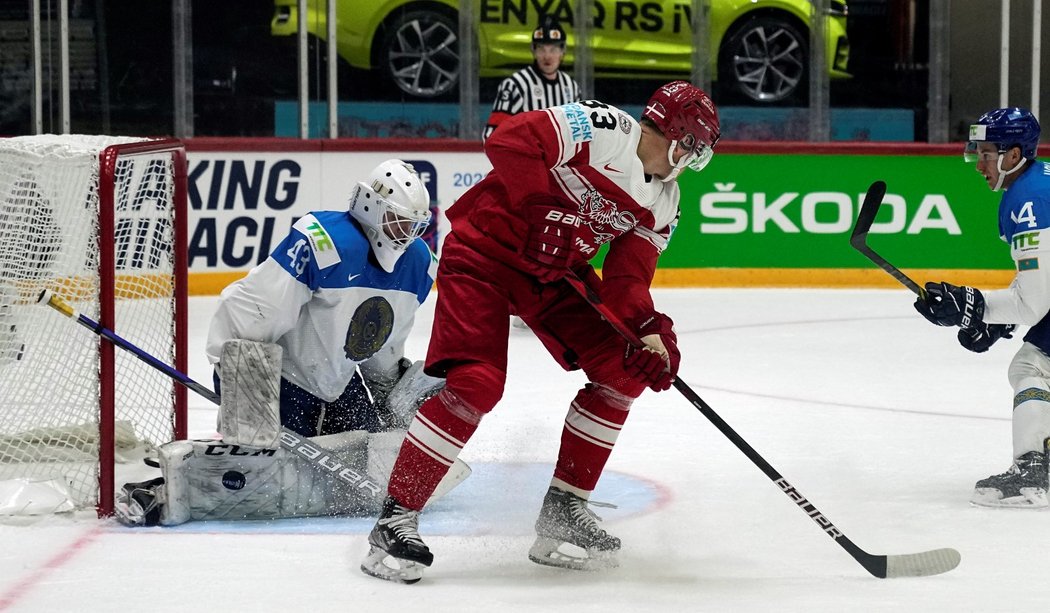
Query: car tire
765	60
419	54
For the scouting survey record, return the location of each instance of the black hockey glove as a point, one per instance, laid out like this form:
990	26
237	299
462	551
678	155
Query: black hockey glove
979	338
951	305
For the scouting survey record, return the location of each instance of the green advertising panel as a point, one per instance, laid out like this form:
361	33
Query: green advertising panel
796	211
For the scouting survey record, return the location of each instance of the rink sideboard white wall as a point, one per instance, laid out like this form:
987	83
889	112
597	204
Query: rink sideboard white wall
761	214
243	201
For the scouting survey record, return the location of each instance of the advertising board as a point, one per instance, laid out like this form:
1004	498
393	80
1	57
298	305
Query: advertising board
748	218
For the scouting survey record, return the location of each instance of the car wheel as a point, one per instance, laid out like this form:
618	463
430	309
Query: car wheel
765	60
420	53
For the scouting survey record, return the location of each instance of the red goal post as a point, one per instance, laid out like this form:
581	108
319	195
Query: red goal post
100	221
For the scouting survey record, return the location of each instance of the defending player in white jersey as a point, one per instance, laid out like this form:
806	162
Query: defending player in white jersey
565	181
539	86
312	341
1003	144
340	292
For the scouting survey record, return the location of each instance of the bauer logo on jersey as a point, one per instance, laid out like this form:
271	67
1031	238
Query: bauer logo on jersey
370	327
325	253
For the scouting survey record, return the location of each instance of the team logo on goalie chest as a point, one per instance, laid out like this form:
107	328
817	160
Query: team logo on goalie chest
370	327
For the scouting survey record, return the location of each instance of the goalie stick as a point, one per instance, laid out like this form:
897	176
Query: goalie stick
922	564
859	237
298	445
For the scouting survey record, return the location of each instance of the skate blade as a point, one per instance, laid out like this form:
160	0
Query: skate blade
129	513
1029	498
376	565
560	554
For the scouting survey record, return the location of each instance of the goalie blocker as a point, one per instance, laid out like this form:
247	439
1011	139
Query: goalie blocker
262	471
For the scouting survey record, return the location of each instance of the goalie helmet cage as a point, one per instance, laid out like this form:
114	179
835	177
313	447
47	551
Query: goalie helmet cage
101	222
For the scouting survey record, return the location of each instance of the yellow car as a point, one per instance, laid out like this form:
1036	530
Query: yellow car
759	48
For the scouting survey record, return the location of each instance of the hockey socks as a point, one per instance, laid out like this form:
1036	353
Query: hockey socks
591	428
435	438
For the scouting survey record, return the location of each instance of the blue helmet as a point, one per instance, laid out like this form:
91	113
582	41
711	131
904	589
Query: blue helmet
1007	128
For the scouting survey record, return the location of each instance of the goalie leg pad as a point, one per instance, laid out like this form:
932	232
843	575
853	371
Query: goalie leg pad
209	480
249	412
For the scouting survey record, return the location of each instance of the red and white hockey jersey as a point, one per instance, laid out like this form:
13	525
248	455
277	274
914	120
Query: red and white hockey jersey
583	155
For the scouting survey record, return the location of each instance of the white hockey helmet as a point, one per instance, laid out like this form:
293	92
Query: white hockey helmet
393	208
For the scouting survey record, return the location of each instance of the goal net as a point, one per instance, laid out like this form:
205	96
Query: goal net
99	221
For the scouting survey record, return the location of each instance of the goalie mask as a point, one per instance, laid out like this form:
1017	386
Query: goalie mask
688	118
393	208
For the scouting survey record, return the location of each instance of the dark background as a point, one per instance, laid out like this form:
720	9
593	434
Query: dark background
121	67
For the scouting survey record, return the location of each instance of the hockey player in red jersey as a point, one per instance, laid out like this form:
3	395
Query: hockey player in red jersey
565	181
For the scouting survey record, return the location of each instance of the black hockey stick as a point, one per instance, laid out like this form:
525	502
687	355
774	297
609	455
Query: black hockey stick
298	445
859	237
921	564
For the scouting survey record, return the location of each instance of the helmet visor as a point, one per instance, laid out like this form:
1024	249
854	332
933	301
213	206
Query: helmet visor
973	152
698	154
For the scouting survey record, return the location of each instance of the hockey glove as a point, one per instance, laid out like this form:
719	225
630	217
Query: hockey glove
549	242
380	386
656	364
979	338
950	305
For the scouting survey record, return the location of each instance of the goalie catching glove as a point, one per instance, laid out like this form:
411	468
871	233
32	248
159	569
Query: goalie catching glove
655	364
951	305
550	239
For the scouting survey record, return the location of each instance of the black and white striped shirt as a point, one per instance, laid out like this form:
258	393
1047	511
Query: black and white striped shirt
529	90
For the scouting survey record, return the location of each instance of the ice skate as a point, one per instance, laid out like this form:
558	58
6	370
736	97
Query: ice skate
1022	486
395	539
139	504
568	536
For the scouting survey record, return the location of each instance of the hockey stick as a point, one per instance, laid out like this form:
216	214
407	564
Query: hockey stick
859	237
299	445
921	564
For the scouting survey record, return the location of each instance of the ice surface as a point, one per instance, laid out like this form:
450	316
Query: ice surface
879	418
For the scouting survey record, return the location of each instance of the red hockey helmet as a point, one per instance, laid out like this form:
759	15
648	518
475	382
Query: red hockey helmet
687	116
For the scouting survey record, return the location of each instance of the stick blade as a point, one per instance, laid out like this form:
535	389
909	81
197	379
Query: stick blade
923	564
868	209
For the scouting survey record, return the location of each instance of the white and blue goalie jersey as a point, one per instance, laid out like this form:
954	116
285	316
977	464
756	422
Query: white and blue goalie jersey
327	304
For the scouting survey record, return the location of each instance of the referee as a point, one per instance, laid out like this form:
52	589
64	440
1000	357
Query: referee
539	86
